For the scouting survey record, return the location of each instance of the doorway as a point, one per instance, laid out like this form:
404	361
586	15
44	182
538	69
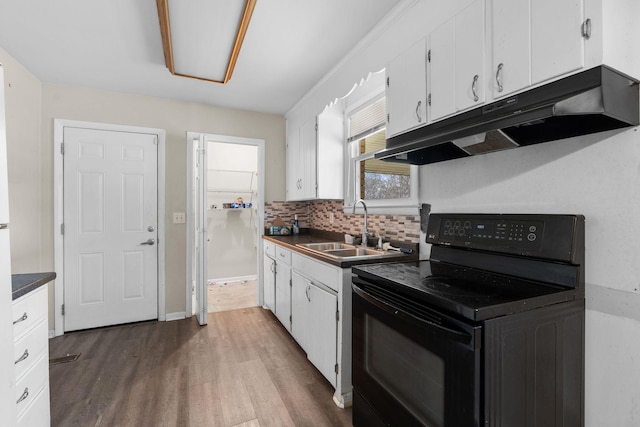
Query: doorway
225	223
109	205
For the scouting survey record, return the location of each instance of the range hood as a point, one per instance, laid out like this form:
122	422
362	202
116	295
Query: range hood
591	101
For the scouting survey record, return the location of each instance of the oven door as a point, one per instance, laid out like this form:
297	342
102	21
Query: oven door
411	364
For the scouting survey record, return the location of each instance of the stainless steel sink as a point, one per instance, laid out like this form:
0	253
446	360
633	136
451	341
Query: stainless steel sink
327	246
345	252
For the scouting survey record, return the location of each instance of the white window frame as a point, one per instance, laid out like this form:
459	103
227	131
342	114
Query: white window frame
405	206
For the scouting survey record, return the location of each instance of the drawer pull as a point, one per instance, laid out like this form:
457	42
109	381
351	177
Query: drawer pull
22	319
25	394
23	357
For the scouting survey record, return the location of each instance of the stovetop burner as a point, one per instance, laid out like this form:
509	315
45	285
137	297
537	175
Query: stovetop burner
472	293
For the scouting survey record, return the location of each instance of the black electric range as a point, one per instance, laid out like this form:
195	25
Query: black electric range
489	330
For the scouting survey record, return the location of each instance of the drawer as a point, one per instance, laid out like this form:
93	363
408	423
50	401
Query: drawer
270	249
37	414
30	347
31	383
317	271
283	255
29	310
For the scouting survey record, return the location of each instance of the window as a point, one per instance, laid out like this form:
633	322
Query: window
380	183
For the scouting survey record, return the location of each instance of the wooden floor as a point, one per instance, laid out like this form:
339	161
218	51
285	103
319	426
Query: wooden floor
242	369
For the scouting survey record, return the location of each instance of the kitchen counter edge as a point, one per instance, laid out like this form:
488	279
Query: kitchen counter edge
22	284
290	242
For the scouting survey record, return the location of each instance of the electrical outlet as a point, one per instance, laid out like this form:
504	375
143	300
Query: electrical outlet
179	218
331	217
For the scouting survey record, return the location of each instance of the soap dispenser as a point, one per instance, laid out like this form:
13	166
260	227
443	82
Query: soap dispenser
296	225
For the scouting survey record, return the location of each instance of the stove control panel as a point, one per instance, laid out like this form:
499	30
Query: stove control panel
535	234
513	232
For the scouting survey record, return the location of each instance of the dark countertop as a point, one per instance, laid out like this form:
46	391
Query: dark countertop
291	241
22	284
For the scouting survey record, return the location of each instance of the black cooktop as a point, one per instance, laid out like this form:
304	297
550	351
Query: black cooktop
468	292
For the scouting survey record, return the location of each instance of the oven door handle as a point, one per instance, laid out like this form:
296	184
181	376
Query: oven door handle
390	309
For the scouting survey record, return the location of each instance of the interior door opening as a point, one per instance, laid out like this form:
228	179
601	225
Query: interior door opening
232	238
225	223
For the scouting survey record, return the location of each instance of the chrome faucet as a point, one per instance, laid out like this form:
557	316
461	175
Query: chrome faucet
364	230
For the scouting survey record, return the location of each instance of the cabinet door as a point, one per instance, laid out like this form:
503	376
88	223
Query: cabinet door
330	153
557	46
469	56
300	315
283	294
511	65
441	74
293	174
406	90
308	160
269	281
323	336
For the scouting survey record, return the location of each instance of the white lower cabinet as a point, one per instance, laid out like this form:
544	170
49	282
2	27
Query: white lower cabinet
31	353
314	323
283	287
269	276
313	301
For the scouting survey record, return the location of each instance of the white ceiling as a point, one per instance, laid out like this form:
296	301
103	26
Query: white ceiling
115	45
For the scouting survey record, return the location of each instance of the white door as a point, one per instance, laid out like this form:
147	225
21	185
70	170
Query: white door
202	300
110	227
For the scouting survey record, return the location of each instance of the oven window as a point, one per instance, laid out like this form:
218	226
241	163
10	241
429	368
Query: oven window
410	373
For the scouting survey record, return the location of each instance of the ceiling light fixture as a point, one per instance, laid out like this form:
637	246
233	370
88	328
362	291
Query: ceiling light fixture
201	39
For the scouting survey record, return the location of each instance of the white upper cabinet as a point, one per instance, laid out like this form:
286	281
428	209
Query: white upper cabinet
315	152
534	41
557	43
456	62
4	184
442	101
469	54
406	90
301	162
511	43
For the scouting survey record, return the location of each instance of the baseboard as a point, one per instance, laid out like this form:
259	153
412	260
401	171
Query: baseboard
176	316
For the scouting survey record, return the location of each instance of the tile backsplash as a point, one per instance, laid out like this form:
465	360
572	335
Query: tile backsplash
318	215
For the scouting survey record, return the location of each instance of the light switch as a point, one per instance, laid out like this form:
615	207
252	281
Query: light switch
179	218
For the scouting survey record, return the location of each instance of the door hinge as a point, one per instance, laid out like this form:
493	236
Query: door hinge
63	309
387	81
290	319
429	55
338	315
62	148
335	368
62	229
429	99
290	283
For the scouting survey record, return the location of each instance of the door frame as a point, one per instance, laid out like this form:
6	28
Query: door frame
58	209
206	138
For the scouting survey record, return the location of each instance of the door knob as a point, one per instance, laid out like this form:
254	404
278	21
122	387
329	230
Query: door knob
149	242
150	228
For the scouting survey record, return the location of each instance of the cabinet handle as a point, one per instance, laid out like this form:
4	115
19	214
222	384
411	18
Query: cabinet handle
25	394
306	291
23	357
419	111
499	77
586	29
22	319
271	268
473	88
